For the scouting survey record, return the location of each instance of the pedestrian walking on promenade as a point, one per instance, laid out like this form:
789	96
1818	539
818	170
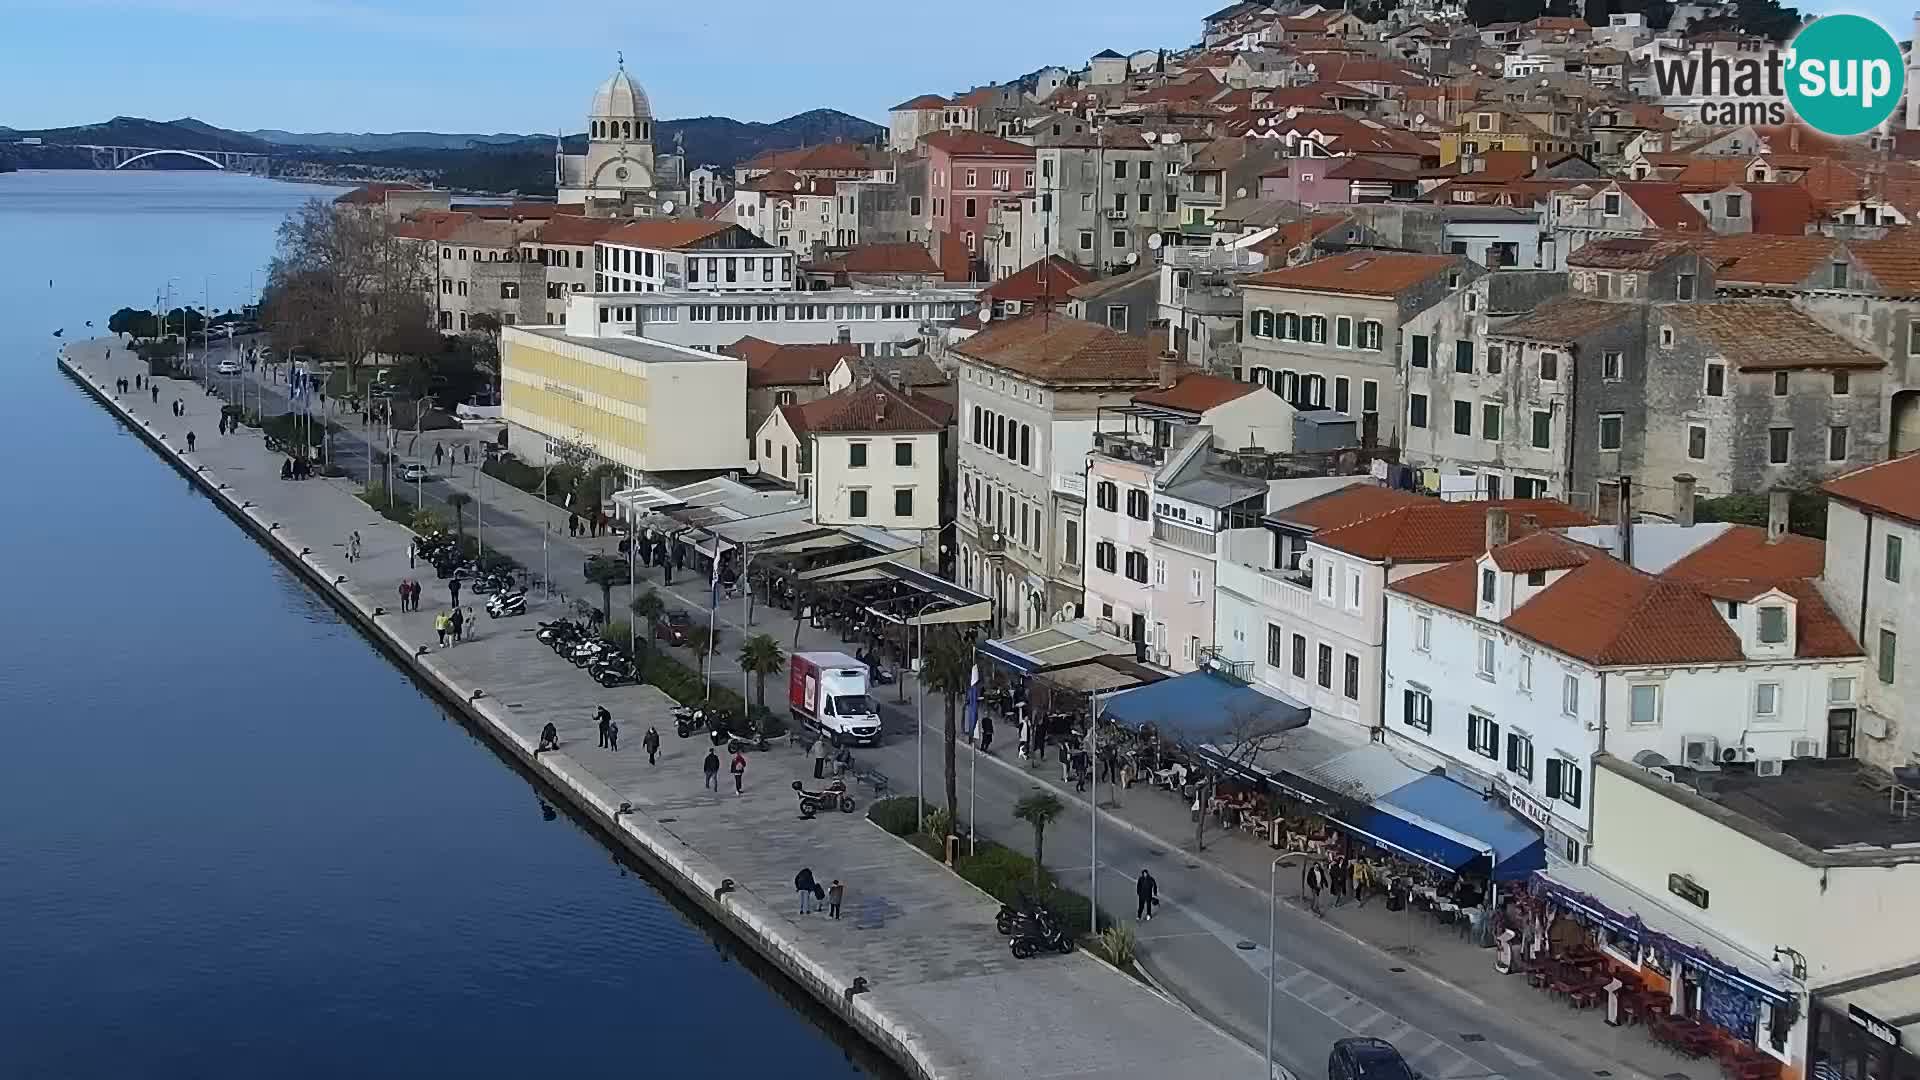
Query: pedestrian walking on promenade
1339	875
453	587
439	455
355	540
1316	881
602	720
820	757
467	454
1147	892
189	442
156	393
549	739
739	768
573	525
986	734
458	621
804	884
836	894
404	592
136	381
440	627
711	767
413	595
650	742
613	735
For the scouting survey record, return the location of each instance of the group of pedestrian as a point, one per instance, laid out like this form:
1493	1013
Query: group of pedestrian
578	526
451	625
295	468
409	595
609	730
119	386
1348	876
710	768
813	894
179	407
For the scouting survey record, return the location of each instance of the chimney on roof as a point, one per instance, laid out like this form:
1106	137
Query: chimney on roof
1626	520
1169	372
1497	527
1779	503
1684	486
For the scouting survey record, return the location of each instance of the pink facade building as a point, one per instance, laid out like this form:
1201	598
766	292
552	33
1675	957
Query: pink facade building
966	171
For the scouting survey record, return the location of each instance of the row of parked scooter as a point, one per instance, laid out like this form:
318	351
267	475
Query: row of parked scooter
721	726
506	597
1032	928
582	645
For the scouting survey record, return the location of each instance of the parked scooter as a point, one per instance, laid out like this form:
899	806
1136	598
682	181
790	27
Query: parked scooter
724	727
834	796
502	605
613	670
688	719
1041	933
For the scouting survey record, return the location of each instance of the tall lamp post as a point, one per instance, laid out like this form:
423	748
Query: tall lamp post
920	713
1273	893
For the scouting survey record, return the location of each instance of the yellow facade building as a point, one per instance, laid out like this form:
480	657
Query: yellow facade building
645	405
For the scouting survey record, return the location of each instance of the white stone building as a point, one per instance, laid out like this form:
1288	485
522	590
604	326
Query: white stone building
868	454
1873	517
619	161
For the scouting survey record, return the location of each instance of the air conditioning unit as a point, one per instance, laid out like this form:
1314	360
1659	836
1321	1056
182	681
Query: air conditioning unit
1736	755
1768	766
1700	751
1662	774
1161	659
1116	215
1108	626
1805	748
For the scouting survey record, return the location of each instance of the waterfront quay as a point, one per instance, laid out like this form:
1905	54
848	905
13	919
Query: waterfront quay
943	996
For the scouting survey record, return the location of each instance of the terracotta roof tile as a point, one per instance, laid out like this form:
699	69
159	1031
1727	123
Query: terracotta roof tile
1061	350
1564	320
872	407
1894	261
667	233
1366	273
1891	488
892	258
1196	392
1435	531
1762	335
1743	552
1340	508
977	144
578	230
824	157
1542	551
1295	233
374	194
924	101
1051	278
770	364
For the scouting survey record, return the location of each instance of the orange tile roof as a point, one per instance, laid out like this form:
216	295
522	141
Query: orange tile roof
771	364
1337	509
870	407
373	194
1294	233
1760	335
1564	320
824	157
1743	552
667	233
431	224
1196	392
924	101
890	258
1365	273
1766	260
1891	488
577	230
1050	278
1542	551
1894	261
977	144
1438	531
1063	351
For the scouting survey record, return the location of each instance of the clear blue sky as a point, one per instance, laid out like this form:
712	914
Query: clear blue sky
515	65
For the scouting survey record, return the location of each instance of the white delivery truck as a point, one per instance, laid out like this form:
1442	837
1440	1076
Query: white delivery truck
829	692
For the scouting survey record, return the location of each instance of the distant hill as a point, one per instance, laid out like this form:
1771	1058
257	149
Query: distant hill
184	134
398	140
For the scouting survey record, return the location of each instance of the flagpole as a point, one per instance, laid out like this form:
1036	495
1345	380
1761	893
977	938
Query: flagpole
973	759
1093	874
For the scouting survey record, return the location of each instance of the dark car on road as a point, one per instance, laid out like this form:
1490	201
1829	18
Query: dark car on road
673	627
1368	1059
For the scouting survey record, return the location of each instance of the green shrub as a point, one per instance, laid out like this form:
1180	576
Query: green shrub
938	824
1117	945
427	521
1002	872
617	632
896	815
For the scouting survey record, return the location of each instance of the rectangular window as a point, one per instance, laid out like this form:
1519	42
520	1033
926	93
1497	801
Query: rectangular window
1766	700
1276	646
1417	410
1299	657
1773	625
1837	442
1483	736
1463	418
1496	359
1490	422
1612	430
903	502
1570	695
1884	661
1892	567
1526	660
1423	633
903	453
1422	350
857	455
1343	332
1369	396
1782	383
1350	681
1611	364
1779	445
1842	384
857	503
1489	580
1716	379
1697	441
1417	710
1483	665
1683	287
1342	394
1549	367
1520	755
1542	435
1643	705
1463	357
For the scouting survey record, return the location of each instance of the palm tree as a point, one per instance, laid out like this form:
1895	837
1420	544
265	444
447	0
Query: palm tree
458	501
946	668
606	573
1038	809
760	656
700	640
650	607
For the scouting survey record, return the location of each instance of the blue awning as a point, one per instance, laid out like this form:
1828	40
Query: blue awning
1202	707
1409	839
1516	848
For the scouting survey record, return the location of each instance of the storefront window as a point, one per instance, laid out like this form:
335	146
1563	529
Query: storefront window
1621	947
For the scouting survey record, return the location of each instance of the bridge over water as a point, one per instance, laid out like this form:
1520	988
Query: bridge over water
119	157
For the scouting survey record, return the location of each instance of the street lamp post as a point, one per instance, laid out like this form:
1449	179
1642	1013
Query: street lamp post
1093	828
1273	894
920	715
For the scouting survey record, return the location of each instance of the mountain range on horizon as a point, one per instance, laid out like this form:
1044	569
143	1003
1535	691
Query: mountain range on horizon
708	140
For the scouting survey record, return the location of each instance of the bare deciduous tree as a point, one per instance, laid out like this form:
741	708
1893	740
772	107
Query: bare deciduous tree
1234	744
341	284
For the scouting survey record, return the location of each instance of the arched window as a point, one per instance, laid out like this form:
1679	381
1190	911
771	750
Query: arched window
626	129
463	320
463	254
976	425
1026	445
1289	327
1370	333
461	288
1314	328
646	131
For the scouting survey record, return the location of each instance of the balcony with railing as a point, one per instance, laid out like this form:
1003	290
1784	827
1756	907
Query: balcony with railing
1137	446
1186	538
1280	591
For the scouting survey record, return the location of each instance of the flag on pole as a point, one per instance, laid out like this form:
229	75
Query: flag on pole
973	700
716	576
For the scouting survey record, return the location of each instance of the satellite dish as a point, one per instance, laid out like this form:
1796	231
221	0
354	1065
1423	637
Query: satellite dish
1419	119
986	313
1171	138
667	207
1154	241
1132	257
1649	759
1240	193
1149	136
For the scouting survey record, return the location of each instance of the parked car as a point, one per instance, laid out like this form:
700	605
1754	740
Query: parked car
673	627
415	473
228	367
1368	1059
